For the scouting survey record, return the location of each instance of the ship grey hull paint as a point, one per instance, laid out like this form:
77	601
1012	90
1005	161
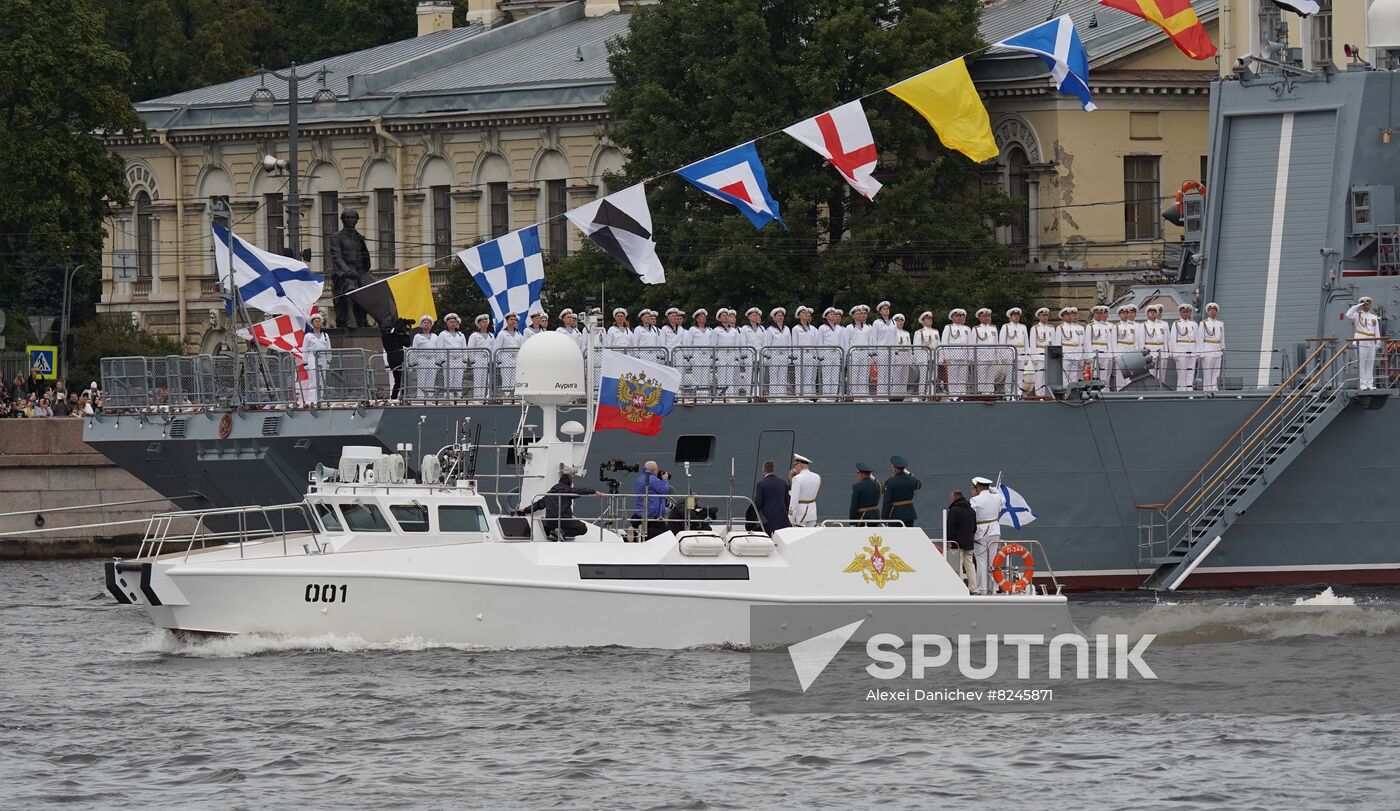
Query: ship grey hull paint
1328	518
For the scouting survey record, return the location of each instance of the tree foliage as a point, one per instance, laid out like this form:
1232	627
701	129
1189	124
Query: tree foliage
694	77
60	85
111	337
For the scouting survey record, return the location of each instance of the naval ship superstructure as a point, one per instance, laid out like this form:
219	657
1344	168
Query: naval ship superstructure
1280	477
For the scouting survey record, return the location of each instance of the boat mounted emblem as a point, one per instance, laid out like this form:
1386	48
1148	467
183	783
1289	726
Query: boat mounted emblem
639	394
877	564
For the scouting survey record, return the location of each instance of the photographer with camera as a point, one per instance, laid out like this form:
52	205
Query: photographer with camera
651	488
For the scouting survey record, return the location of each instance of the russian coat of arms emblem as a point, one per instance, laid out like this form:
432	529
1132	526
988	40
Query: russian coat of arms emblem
639	395
877	564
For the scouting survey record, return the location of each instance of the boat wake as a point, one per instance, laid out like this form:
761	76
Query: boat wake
246	645
1325	614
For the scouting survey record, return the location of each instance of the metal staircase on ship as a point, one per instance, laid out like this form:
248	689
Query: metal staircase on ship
1173	538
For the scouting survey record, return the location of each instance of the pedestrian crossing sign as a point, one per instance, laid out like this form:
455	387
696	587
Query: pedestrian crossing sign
43	362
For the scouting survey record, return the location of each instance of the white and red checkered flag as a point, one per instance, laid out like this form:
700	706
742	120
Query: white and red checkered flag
283	333
842	136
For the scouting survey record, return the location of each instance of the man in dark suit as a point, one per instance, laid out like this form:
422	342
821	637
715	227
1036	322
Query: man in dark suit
962	526
770	497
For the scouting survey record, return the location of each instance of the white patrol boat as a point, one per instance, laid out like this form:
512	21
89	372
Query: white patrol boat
375	555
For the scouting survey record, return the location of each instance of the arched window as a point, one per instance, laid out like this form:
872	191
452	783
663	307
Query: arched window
145	237
1018	187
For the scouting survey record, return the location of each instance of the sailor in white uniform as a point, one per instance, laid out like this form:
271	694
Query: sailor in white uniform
835	340
860	338
1069	336
957	366
777	339
1365	337
1014	334
508	343
985	336
802	494
1184	342
755	336
453	360
619	335
698	356
539	322
806	339
884	333
1098	338
1127	339
422	362
1212	348
1042	336
728	344
569	328
988	504
481	345
313	342
1155	334
903	371
926	340
647	335
673	332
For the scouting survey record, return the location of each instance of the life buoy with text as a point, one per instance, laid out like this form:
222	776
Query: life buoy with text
1022	579
1186	188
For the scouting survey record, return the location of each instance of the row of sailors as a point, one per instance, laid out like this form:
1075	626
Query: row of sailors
1185	341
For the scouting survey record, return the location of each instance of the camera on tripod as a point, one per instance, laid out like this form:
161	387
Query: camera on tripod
615	466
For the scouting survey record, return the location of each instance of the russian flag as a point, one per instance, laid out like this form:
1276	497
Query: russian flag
634	394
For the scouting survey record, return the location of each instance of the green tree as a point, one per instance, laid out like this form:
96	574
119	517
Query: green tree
694	77
60	85
111	337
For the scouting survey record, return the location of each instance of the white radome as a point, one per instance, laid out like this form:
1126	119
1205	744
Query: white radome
549	369
1383	25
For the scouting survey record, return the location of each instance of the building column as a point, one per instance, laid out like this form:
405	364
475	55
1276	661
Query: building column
1032	218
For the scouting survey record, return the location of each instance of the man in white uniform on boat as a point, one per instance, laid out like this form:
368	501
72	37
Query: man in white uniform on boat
422	363
1212	348
1014	334
569	328
835	340
1155	333
1099	336
928	338
729	355
987	503
1183	341
806	340
778	341
957	364
1042	336
618	336
802	497
314	342
1127	340
451	357
1365	338
482	345
985	336
698	356
508	343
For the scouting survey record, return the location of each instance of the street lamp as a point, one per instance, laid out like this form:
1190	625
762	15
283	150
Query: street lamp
323	102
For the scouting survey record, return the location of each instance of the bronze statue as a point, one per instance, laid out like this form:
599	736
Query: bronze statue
349	270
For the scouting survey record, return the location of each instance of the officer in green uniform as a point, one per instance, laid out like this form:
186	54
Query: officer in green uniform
865	495
898	504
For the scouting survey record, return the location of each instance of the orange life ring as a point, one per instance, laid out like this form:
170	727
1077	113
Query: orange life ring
1186	188
1022	581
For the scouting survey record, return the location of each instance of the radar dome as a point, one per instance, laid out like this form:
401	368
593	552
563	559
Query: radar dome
549	369
1383	25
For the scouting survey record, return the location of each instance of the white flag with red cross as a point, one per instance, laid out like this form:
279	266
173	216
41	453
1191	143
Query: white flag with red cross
283	333
842	136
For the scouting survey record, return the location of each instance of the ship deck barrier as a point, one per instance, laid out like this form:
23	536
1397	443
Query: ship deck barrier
356	377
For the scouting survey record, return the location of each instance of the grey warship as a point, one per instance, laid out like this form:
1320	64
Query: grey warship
1280	477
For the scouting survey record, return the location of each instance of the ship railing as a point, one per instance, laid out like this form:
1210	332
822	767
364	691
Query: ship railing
984	370
789	371
452	375
341	375
618	513
1323	374
716	373
1037	550
190	531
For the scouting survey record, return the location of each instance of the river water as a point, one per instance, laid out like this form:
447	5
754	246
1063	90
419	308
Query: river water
98	710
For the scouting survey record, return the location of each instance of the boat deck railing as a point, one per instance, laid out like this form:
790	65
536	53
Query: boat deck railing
189	531
351	378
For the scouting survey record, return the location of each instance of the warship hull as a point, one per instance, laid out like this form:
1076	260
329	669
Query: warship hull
1083	467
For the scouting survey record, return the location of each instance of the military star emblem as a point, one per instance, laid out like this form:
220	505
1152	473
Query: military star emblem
877	564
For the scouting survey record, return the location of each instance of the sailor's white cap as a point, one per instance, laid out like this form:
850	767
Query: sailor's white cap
956	311
619	311
925	314
1042	310
829	311
882	305
724	311
480	318
898	317
1016	310
452	317
670	311
1064	311
539	314
797	457
1125	308
1363	298
752	311
1187	307
777	310
1214	306
565	313
1099	308
512	315
645	311
801	308
427	318
1154	308
700	312
982	480
982	310
317	317
860	308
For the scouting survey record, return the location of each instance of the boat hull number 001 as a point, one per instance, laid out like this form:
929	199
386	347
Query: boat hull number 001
326	593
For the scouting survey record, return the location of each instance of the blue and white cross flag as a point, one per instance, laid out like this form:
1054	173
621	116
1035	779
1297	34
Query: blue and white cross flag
1058	45
268	281
510	272
1015	512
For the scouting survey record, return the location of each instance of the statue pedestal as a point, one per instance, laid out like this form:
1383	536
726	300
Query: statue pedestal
356	338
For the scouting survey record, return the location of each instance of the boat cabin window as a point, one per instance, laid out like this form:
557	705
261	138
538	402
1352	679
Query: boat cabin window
411	517
364	518
329	520
460	518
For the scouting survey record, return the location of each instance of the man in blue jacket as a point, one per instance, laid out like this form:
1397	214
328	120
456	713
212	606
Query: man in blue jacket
770	497
651	490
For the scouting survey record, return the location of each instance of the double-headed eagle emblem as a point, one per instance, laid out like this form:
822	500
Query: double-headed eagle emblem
639	395
877	564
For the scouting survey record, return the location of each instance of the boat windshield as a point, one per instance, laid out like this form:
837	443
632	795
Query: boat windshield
411	517
461	518
329	520
364	518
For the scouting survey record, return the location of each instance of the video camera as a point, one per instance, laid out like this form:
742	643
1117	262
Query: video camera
615	466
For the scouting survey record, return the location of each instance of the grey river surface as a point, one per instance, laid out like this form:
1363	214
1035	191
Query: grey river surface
98	710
